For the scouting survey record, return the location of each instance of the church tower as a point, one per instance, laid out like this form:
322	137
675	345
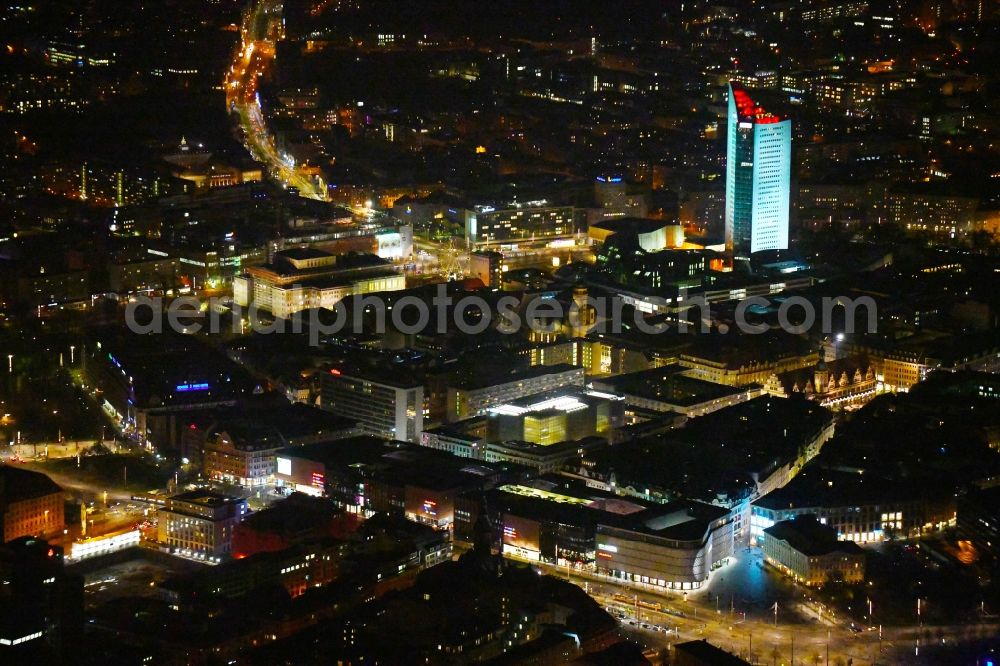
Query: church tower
821	375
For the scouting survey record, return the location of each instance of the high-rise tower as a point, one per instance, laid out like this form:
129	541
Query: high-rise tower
758	176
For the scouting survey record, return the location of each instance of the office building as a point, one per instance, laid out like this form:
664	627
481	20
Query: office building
242	454
515	223
384	403
199	524
615	198
487	265
758	176
863	508
471	439
335	470
810	553
302	279
933	215
749	359
669	389
296	569
475	396
297	520
31	504
557	416
553	520
41	607
542	458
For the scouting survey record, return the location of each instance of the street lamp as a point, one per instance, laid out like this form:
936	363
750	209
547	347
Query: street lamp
72	355
10	363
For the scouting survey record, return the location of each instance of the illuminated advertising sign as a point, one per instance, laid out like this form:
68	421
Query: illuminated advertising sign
521	534
284	466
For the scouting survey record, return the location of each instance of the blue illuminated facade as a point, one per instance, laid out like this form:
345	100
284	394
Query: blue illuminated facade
758	177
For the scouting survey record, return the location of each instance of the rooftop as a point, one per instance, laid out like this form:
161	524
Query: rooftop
639	225
363	450
733	444
482	379
296	513
705	653
681	520
299	253
668	384
810	537
204	498
18	484
567	399
283	263
816	486
748	110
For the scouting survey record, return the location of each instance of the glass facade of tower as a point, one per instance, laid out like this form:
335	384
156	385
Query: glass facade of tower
758	177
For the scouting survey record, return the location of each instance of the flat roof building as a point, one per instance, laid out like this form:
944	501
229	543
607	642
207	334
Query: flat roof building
703	653
31	504
861	506
670	389
367	475
809	552
674	546
476	395
199	524
305	278
384	403
557	416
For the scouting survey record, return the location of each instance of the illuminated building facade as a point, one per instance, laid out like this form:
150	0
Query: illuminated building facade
31	504
303	278
199	524
244	457
675	546
517	222
849	382
559	416
102	545
809	552
758	176
942	217
478	395
386	406
862	508
554	524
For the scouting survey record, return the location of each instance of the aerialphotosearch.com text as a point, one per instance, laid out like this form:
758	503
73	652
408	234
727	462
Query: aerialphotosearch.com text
509	314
